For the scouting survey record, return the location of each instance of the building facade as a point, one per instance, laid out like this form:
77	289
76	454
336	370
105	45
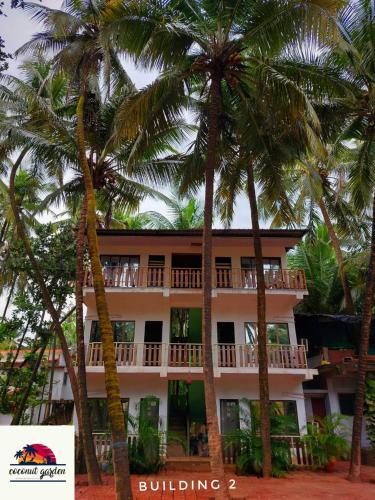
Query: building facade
153	284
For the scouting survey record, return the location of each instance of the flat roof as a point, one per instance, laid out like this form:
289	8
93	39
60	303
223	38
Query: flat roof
231	233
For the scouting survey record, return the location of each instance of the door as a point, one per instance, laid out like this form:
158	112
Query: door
153	343
229	415
223	272
155	271
319	407
186	270
226	341
149	412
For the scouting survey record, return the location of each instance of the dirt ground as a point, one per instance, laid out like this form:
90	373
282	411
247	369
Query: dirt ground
301	485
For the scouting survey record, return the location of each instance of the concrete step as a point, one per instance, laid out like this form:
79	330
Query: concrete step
188	464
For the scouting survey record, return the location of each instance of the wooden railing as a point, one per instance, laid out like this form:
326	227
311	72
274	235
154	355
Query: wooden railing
126	354
103	445
152	354
186	278
299	454
279	356
191	278
191	355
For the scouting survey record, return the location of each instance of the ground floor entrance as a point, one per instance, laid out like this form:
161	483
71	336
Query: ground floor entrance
187	433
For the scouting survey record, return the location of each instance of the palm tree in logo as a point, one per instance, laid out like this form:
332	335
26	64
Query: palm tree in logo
28	451
18	454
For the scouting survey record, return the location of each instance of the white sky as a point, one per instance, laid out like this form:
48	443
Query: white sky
17	28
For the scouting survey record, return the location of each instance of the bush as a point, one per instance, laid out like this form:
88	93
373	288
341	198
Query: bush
248	442
326	440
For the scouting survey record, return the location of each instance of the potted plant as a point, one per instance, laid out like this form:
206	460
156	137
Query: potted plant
326	441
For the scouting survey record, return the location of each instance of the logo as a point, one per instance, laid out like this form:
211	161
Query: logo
36	463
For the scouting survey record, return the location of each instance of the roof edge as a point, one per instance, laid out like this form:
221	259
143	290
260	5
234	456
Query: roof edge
237	233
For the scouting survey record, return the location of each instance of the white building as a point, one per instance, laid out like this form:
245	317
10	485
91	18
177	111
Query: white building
153	283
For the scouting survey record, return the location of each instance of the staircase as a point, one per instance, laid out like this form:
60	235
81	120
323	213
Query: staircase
177	429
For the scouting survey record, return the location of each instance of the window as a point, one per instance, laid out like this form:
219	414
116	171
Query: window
346	402
120	270
119	260
98	411
283	416
277	333
123	331
269	263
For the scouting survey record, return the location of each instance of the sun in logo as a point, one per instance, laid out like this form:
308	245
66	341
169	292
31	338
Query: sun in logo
35	454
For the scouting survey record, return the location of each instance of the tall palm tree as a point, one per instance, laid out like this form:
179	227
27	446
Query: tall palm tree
209	47
320	185
80	38
353	56
33	105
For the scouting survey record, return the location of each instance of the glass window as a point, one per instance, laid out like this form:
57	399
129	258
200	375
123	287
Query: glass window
98	411
123	331
346	402
119	260
269	263
277	333
283	416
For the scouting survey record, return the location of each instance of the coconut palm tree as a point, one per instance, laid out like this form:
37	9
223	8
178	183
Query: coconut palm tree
207	47
33	106
353	56
322	187
79	36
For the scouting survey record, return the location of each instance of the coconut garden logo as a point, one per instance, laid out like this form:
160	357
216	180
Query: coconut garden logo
36	463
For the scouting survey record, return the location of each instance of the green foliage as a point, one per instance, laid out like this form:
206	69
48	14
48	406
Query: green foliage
370	408
315	255
144	451
248	442
29	327
326	440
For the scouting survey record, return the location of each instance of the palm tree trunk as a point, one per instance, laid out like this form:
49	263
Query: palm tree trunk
92	466
9	297
349	305
116	415
25	396
355	459
40	281
265	428
214	437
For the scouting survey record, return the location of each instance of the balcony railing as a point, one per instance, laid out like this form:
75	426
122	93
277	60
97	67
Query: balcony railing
299	453
191	278
191	355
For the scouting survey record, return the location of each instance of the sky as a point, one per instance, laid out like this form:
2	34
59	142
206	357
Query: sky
17	28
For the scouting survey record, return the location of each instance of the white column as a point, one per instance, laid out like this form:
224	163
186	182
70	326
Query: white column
292	332
301	413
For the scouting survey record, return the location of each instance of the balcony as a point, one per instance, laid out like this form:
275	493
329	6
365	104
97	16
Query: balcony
189	357
151	278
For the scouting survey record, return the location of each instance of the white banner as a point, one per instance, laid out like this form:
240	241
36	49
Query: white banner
37	460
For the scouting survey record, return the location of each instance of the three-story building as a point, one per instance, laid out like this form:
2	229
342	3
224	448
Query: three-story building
153	281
